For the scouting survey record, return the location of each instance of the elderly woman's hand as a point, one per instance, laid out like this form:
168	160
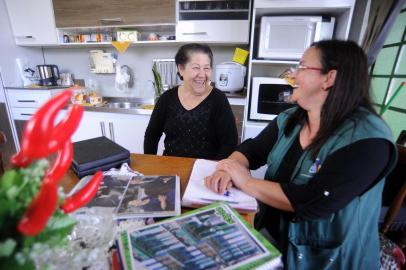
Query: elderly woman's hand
218	182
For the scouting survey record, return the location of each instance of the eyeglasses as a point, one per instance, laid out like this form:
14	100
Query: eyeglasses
303	67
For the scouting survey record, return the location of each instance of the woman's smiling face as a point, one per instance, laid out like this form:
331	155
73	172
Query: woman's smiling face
310	84
196	73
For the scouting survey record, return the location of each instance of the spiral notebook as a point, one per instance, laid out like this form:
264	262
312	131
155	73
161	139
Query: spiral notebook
197	194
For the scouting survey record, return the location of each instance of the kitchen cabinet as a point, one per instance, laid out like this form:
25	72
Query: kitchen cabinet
79	13
125	129
23	103
213	21
32	22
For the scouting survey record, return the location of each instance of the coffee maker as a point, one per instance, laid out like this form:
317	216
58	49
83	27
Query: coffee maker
49	75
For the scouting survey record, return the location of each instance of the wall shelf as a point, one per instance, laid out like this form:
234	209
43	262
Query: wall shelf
274	62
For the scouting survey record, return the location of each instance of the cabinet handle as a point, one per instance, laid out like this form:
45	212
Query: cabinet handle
30	37
111	128
194	33
26	101
111	20
26	114
103	129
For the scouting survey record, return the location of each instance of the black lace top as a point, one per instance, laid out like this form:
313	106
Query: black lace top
206	131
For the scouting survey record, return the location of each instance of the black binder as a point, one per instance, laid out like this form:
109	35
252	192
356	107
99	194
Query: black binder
96	154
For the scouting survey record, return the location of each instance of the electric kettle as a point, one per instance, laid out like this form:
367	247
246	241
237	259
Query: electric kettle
49	74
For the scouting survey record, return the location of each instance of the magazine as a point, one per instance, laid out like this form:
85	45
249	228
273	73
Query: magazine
212	237
132	196
197	194
150	196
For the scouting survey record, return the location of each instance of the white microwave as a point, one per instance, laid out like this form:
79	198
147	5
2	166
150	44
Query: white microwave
269	97
287	37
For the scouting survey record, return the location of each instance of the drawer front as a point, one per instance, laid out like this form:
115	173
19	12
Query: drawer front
23	113
232	31
26	98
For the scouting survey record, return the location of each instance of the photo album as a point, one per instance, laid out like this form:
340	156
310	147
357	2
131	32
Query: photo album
138	196
212	237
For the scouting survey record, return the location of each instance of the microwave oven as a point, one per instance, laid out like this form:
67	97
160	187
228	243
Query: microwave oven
287	37
269	96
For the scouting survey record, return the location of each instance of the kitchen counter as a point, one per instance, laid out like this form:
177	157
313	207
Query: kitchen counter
134	110
233	98
35	87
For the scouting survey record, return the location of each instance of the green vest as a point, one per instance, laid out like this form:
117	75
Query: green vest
348	238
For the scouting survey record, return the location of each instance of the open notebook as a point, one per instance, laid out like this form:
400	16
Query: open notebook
197	194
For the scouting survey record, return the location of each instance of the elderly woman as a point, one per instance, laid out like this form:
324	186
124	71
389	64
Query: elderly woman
327	160
196	118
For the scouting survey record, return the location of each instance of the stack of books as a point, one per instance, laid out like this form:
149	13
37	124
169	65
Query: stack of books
97	154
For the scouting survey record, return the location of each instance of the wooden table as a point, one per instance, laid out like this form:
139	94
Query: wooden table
156	165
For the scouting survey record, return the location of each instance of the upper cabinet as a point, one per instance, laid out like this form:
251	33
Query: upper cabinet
88	13
219	21
32	22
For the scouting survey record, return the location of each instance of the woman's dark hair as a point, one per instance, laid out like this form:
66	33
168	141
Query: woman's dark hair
183	55
349	92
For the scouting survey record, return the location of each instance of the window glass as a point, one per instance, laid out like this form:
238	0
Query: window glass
396	120
400	68
400	99
379	87
396	32
385	61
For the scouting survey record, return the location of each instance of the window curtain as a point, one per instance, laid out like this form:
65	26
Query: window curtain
382	15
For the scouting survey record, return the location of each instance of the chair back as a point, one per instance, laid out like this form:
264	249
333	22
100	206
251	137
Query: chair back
394	195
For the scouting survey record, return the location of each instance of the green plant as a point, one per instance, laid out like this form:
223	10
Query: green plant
33	213
18	187
157	80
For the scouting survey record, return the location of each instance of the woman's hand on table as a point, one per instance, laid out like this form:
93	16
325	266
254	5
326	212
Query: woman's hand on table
228	172
219	181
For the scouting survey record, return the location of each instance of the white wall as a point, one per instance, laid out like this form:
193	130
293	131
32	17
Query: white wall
9	51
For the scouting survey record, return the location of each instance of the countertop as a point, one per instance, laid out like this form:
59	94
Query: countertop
35	87
135	110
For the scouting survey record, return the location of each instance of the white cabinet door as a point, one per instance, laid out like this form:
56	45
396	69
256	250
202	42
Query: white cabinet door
128	130
227	31
33	22
92	125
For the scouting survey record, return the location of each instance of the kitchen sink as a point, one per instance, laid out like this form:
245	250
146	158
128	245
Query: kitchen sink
123	105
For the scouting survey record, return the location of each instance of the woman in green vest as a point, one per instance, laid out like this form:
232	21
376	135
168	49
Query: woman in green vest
327	160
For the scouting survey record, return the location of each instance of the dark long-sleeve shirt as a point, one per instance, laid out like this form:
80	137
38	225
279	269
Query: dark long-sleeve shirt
346	173
207	131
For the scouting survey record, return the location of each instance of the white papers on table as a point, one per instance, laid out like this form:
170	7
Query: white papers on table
197	193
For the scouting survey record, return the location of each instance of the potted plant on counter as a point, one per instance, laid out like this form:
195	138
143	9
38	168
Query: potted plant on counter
158	87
